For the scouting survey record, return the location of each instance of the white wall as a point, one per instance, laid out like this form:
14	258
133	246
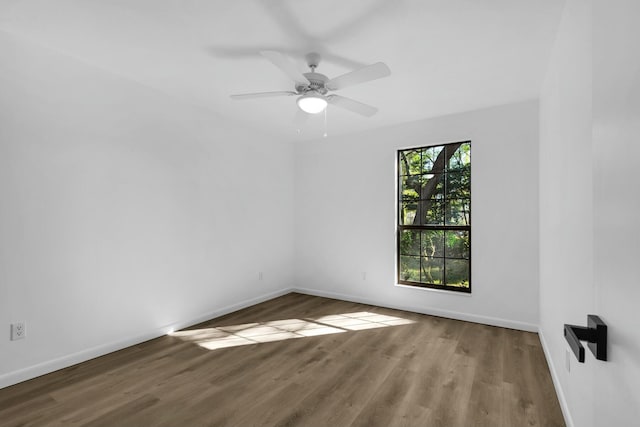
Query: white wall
616	157
345	207
589	199
566	201
123	212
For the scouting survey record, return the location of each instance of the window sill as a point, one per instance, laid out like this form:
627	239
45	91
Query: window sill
442	291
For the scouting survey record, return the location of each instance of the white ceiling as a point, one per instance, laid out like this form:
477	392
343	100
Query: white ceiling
445	56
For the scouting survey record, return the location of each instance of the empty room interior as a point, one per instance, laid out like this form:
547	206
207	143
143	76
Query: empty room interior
319	213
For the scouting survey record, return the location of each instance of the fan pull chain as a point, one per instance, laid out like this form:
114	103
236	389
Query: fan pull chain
325	123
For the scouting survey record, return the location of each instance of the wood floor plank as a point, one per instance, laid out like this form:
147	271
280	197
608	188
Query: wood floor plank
343	362
356	370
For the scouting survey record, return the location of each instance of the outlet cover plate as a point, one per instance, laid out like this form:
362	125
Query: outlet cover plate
18	331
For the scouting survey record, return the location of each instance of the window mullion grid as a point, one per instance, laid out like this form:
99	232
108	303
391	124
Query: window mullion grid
445	192
443	226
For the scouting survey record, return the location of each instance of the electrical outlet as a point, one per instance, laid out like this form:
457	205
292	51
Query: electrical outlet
18	331
260	276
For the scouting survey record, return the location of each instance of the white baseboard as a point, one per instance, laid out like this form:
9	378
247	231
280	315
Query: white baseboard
49	366
486	320
556	381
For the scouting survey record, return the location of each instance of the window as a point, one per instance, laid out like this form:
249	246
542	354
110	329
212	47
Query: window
434	217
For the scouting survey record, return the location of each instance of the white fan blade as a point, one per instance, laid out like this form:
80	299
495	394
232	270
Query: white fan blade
352	105
262	95
365	74
282	62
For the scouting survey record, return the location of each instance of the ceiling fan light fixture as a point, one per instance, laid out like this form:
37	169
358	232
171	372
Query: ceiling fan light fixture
312	103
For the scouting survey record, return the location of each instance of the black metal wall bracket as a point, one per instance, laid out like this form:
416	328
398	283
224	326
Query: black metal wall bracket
595	334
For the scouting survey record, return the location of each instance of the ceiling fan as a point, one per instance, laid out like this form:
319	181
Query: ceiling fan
313	88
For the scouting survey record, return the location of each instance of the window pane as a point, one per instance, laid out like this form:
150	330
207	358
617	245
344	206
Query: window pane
409	268
429	157
428	186
430	212
432	186
409	194
407	212
457	244
410	242
410	162
410	187
433	243
457	273
458	212
461	158
459	184
431	270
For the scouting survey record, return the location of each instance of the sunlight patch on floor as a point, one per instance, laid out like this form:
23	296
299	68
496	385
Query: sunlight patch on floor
278	330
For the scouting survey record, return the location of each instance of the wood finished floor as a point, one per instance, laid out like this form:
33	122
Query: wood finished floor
432	372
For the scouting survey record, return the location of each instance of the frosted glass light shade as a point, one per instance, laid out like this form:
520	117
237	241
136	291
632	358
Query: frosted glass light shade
312	103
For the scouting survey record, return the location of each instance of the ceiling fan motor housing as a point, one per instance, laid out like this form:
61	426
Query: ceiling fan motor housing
317	83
